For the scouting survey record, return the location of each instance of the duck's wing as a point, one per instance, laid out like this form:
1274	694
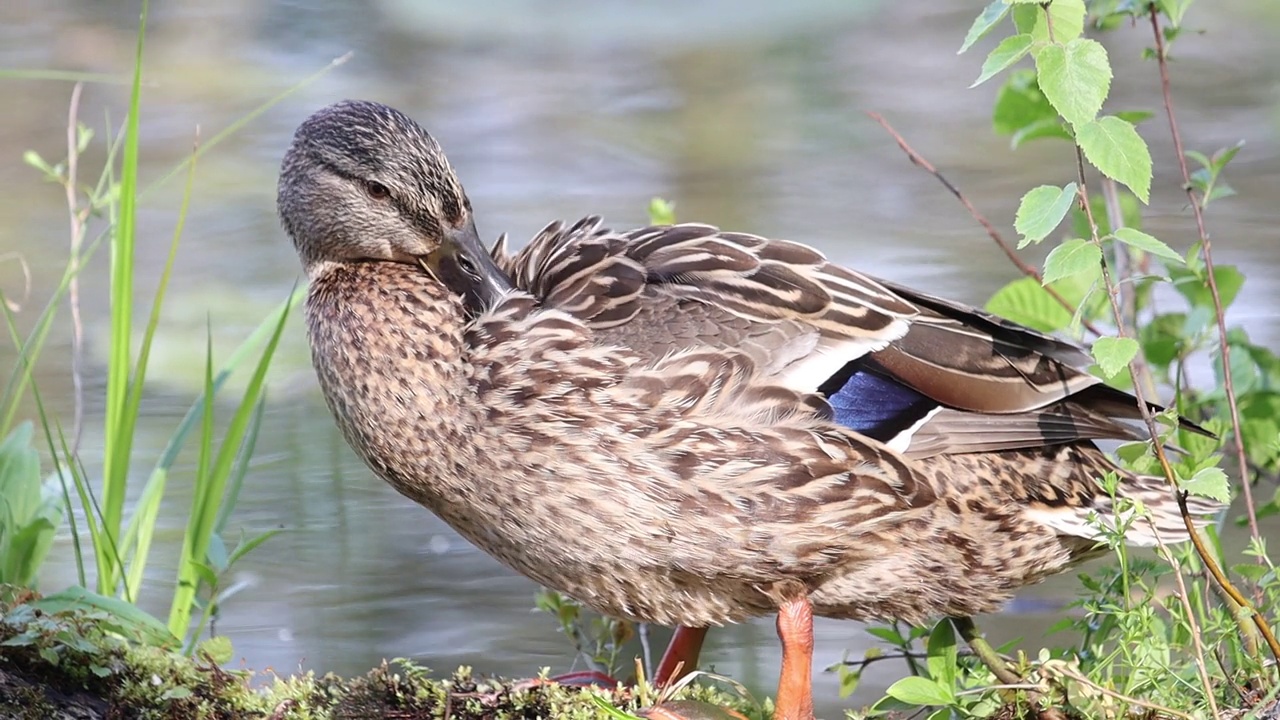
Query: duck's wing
924	375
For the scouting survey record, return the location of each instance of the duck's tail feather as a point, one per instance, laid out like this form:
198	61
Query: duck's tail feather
1151	517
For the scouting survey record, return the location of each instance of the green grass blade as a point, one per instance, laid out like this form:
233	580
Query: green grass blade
63	76
241	469
137	539
249	117
212	481
121	415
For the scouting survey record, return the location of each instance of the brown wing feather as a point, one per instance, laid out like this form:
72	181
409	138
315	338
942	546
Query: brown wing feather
665	289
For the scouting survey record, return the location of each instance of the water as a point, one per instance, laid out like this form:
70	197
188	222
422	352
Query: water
746	115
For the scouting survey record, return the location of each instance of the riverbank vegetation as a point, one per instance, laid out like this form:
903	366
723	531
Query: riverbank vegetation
1185	632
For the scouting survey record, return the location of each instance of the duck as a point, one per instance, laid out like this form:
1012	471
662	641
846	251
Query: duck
692	427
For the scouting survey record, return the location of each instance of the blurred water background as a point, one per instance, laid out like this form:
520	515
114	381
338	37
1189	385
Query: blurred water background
748	114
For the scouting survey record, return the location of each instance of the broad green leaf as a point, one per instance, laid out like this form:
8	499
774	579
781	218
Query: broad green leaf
1174	9
1026	301
1075	78
1148	244
1022	111
1009	51
1068	20
1196	291
1116	149
1162	338
1210	482
982	24
942	654
1041	210
915	690
1073	257
1113	354
123	617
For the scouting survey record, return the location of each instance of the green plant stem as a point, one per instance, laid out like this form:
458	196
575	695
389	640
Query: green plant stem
1139	371
1224	347
1205	555
966	629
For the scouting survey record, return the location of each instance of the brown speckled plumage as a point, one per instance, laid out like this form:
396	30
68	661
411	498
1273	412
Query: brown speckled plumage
641	425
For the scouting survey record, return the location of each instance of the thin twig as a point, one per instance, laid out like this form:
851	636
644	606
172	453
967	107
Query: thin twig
78	218
1066	671
1197	209
1138	369
1028	270
860	665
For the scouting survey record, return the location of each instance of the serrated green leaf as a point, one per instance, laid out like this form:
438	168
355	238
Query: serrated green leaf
1073	257
1148	244
1196	291
982	24
1225	155
942	654
1113	354
1068	20
1076	78
1174	10
1119	152
1210	482
1009	51
1041	210
1022	111
916	690
1026	301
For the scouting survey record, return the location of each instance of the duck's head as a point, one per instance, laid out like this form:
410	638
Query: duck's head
362	182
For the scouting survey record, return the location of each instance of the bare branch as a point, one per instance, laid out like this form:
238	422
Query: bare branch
919	160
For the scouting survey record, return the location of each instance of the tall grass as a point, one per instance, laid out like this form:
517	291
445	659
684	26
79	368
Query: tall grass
121	540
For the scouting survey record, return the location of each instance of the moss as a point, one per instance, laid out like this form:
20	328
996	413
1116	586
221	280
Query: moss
53	662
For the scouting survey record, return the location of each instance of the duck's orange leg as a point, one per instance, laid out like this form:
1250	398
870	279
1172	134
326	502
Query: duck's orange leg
795	685
681	653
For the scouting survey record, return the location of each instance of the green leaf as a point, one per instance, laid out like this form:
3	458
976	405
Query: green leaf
1192	287
1022	111
661	212
125	618
942	660
1068	20
982	24
1075	78
1041	210
1009	51
1113	354
1174	10
1073	257
1148	244
916	690
218	649
1027	302
1119	152
1210	482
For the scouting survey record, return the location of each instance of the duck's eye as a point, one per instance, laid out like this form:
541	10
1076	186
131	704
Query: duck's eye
377	190
468	267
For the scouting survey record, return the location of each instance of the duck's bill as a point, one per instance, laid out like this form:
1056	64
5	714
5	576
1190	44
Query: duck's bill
464	266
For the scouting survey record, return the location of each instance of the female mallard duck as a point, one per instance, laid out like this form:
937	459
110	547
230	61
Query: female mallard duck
691	427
